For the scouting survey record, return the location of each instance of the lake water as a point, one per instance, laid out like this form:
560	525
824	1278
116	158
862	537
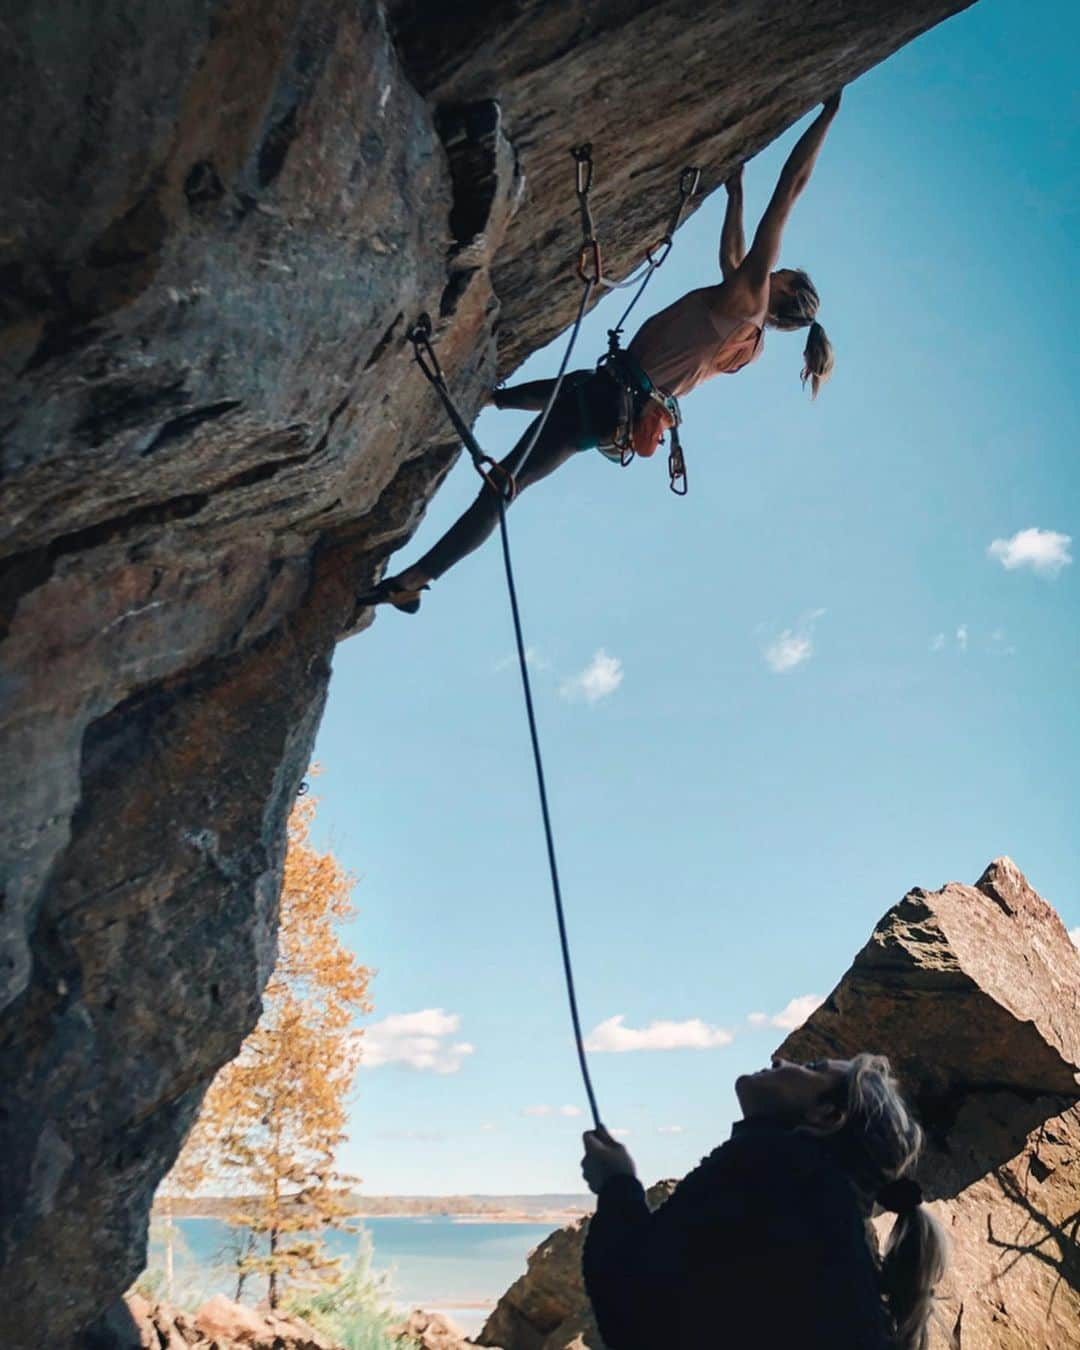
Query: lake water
435	1263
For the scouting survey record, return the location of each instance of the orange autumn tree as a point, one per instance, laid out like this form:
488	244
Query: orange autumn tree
273	1118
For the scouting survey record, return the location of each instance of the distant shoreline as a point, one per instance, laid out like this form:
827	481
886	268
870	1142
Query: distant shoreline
554	1209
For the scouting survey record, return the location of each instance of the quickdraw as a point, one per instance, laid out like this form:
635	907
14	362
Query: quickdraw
636	384
490	470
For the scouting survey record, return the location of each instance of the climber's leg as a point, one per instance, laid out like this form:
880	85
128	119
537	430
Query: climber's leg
557	444
529	396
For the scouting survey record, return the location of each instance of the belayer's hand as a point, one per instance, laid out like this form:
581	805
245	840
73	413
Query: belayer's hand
604	1158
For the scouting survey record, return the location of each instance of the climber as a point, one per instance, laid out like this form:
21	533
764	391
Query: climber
767	1242
632	396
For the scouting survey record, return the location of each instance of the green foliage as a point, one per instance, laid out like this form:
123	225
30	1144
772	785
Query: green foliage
150	1285
355	1310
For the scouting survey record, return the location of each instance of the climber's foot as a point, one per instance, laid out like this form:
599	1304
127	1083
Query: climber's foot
393	591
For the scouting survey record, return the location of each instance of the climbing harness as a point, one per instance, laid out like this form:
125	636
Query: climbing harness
503	481
648	413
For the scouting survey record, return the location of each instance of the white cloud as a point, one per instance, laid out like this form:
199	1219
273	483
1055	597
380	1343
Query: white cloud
962	637
787	1019
542	1109
937	642
1074	933
619	1132
418	1040
601	677
1046	552
794	646
611	1036
670	1129
489	1127
797	1011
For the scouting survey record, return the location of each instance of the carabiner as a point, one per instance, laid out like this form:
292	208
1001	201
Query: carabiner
489	469
420	337
583	157
665	242
676	464
590	251
689	182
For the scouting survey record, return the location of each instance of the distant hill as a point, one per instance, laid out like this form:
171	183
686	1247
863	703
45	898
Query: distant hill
559	1208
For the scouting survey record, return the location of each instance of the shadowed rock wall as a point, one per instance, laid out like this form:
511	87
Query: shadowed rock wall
217	220
974	994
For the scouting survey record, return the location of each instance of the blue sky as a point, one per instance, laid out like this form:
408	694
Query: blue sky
730	832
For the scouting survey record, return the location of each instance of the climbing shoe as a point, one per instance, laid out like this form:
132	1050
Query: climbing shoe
389	592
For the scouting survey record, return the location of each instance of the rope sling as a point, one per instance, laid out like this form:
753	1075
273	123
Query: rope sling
502	481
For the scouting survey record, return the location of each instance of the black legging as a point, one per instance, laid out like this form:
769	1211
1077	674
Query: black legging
560	440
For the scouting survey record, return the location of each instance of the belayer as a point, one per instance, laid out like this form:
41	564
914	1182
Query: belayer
766	1243
632	399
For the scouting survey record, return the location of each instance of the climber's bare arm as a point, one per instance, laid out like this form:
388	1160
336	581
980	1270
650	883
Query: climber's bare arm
732	241
765	250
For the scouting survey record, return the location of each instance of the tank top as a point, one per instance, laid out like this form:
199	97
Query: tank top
689	341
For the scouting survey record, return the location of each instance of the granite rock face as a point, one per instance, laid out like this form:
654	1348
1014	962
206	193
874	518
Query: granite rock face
974	994
218	219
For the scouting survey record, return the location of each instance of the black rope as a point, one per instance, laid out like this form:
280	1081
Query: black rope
564	941
429	364
586	292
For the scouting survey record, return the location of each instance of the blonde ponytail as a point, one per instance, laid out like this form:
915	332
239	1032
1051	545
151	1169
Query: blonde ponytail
818	359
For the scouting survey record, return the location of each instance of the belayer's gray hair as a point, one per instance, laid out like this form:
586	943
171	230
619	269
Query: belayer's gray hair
878	1142
798	309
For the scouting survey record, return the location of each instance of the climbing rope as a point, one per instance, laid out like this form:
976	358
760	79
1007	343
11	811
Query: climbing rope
590	273
549	836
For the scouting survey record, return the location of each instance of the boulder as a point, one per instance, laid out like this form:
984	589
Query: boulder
218	221
219	1324
547	1308
974	994
431	1331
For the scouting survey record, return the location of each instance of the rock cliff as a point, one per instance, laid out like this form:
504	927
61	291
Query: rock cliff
974	993
218	218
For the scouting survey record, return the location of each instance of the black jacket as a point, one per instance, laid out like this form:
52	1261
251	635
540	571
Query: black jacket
761	1246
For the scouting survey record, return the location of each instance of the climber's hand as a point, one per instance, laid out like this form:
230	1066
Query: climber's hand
733	182
832	103
604	1158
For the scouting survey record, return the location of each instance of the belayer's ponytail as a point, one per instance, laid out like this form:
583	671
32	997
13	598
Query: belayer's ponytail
818	359
878	1144
913	1263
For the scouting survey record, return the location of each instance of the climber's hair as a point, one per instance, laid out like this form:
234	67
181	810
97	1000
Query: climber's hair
798	308
877	1141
